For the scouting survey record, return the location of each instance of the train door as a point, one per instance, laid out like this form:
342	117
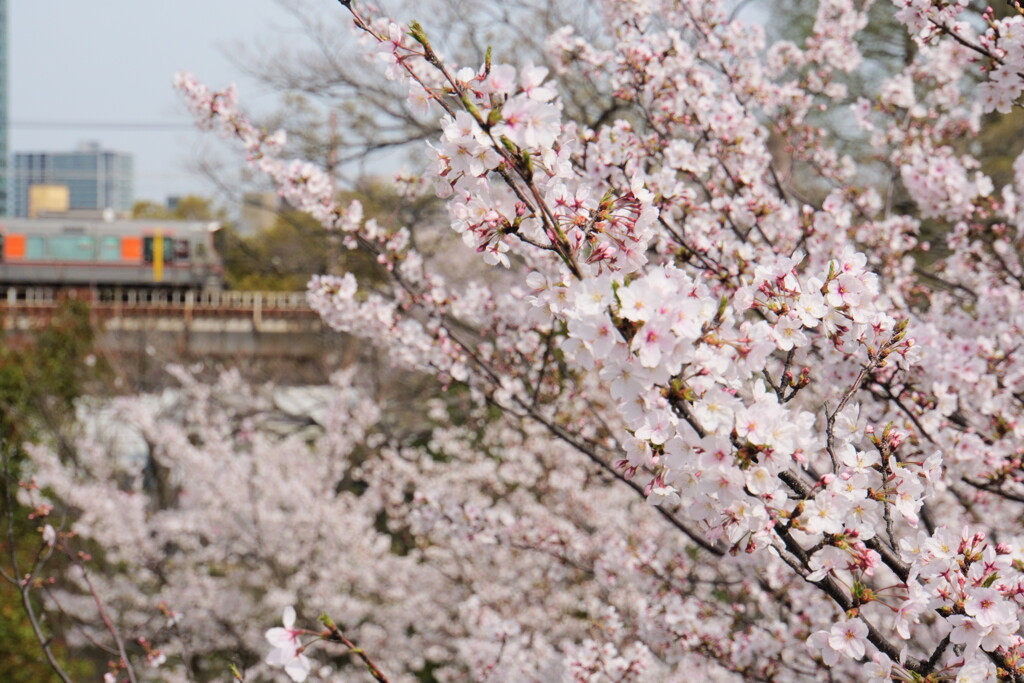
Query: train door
158	250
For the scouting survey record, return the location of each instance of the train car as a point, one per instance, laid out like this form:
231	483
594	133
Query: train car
119	253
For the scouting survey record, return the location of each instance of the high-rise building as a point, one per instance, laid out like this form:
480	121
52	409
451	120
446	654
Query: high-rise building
4	183
96	178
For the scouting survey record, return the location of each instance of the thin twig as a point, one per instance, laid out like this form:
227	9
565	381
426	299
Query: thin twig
335	635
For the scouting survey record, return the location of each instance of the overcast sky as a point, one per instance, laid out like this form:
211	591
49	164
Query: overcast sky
111	62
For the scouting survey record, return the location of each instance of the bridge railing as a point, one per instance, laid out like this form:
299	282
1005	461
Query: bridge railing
140	300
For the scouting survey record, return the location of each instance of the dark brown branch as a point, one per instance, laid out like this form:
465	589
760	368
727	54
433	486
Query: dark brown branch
25	584
335	635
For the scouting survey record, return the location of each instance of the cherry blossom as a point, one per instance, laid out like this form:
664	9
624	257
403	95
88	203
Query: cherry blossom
287	648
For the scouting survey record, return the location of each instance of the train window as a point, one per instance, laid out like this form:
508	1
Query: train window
181	250
110	249
148	248
72	248
35	248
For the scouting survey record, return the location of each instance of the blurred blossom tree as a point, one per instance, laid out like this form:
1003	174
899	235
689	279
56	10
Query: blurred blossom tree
700	409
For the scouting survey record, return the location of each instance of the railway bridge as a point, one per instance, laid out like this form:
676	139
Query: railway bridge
181	323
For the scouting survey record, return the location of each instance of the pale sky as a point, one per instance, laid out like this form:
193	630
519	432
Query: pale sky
111	62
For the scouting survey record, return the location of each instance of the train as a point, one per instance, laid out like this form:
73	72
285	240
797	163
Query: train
60	252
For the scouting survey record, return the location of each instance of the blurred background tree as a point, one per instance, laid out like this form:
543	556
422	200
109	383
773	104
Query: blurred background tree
342	114
41	376
188	208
